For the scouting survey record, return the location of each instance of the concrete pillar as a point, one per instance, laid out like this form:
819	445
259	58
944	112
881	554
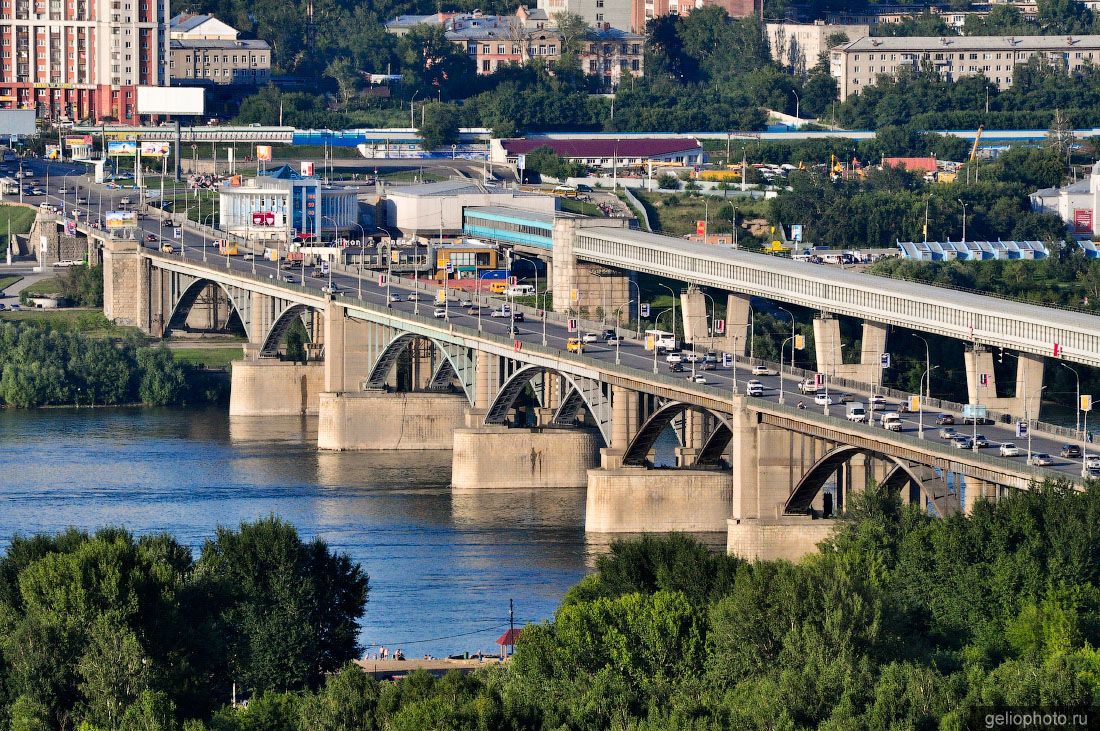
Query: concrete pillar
271	387
872	346
126	284
482	396
693	311
262	318
738	319
376	420
975	490
620	418
335	326
1029	383
637	500
827	345
857	475
981	382
503	458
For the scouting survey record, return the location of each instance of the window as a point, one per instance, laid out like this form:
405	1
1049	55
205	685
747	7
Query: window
485	65
599	17
634	66
485	49
500	49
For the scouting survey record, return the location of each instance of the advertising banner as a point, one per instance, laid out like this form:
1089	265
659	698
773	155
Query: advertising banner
156	149
78	140
263	153
263	218
121	219
700	227
122	148
53	152
1082	220
307	169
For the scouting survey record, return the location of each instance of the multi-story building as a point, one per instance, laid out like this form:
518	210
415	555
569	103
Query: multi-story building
858	64
596	13
642	11
799	46
204	50
82	59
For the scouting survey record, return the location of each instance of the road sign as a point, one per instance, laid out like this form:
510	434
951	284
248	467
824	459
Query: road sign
1021	429
517	344
719	327
450	268
645	309
324	267
914	403
381	280
819	380
727	360
884	360
984	379
177	233
1086	402
799	342
572	325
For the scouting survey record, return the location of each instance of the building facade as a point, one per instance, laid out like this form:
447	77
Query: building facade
596	13
604	152
799	46
432	209
282	204
82	59
642	11
1076	204
858	64
204	50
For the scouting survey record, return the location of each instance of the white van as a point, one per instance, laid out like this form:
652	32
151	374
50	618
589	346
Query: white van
520	290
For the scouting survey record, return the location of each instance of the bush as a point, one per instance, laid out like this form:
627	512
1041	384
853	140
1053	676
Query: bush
668	182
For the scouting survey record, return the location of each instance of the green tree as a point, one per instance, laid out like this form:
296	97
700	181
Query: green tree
112	671
162	379
440	126
432	63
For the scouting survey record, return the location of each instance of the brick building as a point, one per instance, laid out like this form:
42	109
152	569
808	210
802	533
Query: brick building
82	59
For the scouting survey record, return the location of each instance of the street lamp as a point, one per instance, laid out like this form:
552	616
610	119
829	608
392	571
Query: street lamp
511	297
204	237
963	204
797	105
544	293
792	339
656	324
920	386
638	332
480	299
673	293
617	338
1077	403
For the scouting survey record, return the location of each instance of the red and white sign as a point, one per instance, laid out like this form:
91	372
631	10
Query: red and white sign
381	280
307	169
719	327
517	344
572	325
700	228
984	379
263	218
1082	220
1057	350
819	380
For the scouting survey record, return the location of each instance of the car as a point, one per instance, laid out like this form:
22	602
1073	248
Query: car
981	441
1070	450
948	433
170	224
62	190
1008	449
822	400
1040	459
608	334
710	357
1092	460
574	345
961	441
876	400
707	365
249	257
674	356
692	357
699	378
124	201
3	306
465	302
763	370
676	367
15	308
807	386
1092	473
945	419
440	312
614	340
845	398
517	317
330	289
38	191
82	200
475	310
978	420
414	297
288	278
590	338
502	312
754	388
395	298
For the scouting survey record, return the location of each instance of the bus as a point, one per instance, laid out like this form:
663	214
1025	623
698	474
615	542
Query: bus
498	286
659	339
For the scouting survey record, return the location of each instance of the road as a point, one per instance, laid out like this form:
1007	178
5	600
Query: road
631	353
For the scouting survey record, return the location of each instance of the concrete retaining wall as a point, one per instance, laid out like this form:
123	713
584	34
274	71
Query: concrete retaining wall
636	500
383	421
789	537
502	458
275	388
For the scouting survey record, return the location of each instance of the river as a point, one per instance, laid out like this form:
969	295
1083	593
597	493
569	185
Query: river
442	567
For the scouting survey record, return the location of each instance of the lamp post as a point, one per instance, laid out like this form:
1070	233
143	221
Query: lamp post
479	298
920	386
638	332
544	293
797	105
1077	404
792	339
617	338
335	234
656	322
673	293
204	237
963	204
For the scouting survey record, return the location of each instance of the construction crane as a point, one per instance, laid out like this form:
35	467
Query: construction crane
974	154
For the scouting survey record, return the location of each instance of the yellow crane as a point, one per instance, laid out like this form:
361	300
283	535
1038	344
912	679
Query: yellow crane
974	155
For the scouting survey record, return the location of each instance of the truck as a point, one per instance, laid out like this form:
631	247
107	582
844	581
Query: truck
891	421
856	412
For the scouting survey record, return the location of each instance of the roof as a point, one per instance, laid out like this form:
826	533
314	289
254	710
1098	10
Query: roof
519	213
912	164
632	147
968	43
186	21
407	21
283	172
510	637
443	188
252	45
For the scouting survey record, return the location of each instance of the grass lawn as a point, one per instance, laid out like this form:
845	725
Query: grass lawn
209	357
87	322
7	280
582	207
49	285
676	214
19	218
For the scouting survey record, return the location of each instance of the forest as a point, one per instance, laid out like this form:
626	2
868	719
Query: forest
903	620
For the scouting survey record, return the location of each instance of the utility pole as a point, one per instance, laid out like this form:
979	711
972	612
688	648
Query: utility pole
511	627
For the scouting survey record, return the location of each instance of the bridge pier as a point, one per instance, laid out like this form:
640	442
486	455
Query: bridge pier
351	346
270	387
584	287
1029	381
513	458
379	420
976	490
640	500
126	283
830	353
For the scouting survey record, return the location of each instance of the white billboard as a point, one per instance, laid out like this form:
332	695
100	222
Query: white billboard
17	122
170	100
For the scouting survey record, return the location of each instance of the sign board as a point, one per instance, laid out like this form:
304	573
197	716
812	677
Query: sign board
78	140
819	380
884	360
188	100
1021	429
450	268
70	228
263	153
53	152
307	169
156	149
983	379
121	148
17	122
644	309
799	342
572	325
796	232
324	267
649	342
700	227
719	327
727	360
440	296
914	403
177	233
1086	402
381	280
1082	220
120	219
263	218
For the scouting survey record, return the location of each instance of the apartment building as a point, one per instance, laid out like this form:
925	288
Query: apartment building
206	51
596	13
644	11
82	59
799	46
858	64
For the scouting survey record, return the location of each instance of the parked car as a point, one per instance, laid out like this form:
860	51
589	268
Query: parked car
763	370
945	419
1070	450
1040	459
1008	449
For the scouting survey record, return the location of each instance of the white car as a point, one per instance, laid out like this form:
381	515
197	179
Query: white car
674	357
330	289
692	357
588	338
754	388
613	340
823	400
249	257
1092	461
1042	459
699	378
395	298
877	400
413	297
440	312
763	370
62	190
1008	449
465	302
502	312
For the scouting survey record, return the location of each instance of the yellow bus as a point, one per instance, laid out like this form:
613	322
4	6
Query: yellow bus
226	248
498	286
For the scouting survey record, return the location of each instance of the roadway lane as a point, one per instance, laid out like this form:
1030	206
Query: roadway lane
631	353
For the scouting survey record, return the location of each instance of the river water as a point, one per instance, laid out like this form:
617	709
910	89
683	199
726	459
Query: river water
442	567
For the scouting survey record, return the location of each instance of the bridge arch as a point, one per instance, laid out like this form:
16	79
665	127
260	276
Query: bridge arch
182	306
931	485
713	448
459	363
585	392
278	329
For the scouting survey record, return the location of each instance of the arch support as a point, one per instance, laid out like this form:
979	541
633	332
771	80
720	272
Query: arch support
588	392
184	289
459	360
671	414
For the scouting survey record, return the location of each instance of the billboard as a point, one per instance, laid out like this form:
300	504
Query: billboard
121	148
120	219
266	218
263	153
78	140
17	122
1082	220
156	149
307	169
53	152
170	100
